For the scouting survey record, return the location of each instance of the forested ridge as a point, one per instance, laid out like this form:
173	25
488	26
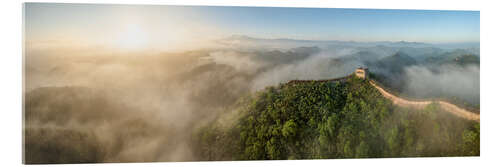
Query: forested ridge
315	120
175	107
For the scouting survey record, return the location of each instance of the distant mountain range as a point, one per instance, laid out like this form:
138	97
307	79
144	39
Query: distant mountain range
243	39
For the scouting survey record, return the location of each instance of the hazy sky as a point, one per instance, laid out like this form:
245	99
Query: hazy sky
160	25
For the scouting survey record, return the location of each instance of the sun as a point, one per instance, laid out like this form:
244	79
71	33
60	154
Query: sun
133	37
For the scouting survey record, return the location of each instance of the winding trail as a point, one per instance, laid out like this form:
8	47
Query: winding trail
446	106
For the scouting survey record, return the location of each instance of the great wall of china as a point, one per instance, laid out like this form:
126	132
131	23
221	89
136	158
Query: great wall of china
418	104
446	106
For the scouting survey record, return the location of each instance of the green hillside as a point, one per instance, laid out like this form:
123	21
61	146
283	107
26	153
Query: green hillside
397	62
314	120
467	59
456	57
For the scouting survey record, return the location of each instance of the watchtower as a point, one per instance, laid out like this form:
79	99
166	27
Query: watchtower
361	73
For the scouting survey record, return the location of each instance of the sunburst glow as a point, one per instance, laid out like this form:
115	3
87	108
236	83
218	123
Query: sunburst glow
132	37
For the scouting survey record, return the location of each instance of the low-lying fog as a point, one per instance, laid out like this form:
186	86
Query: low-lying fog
145	106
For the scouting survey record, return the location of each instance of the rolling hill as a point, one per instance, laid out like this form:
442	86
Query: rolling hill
314	120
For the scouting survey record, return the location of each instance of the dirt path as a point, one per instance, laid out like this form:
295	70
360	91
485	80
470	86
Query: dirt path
448	107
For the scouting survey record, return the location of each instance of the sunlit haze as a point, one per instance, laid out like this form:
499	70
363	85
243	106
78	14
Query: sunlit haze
136	27
157	83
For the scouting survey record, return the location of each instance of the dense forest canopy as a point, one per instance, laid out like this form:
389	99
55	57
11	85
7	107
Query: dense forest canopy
87	106
334	120
162	83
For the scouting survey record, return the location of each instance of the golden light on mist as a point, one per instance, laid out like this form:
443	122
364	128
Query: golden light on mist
133	37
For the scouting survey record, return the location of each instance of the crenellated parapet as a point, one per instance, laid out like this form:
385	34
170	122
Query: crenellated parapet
362	72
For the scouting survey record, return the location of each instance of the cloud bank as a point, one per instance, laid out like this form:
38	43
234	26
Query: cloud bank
119	107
